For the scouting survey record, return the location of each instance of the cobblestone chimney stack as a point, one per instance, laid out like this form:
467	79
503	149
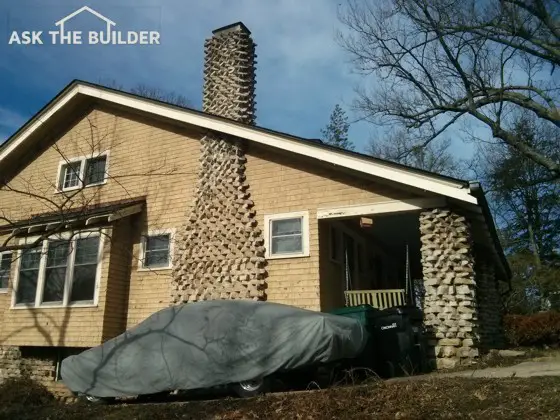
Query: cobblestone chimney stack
229	74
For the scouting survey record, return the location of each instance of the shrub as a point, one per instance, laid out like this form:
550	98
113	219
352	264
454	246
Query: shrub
24	392
533	330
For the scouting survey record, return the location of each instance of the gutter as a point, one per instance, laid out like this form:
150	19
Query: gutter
477	191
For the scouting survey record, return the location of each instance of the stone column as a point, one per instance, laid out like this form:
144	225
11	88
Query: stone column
450	288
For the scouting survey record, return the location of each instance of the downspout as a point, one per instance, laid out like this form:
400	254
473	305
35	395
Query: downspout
476	190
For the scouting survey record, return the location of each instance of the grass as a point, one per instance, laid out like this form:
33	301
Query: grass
435	398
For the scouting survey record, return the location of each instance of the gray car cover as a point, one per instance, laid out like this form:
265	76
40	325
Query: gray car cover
210	343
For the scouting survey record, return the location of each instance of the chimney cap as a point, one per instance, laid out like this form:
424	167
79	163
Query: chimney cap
237	26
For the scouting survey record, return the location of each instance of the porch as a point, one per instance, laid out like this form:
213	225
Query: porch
371	259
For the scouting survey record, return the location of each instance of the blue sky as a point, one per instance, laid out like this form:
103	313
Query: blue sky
301	72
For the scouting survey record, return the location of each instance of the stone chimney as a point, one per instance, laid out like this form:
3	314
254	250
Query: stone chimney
220	250
229	74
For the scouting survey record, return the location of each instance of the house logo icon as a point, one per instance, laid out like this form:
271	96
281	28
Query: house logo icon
110	36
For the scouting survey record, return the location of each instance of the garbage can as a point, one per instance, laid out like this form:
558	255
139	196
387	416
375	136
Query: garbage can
366	315
399	340
419	353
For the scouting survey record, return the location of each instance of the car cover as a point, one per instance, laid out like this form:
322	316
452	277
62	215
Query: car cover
210	343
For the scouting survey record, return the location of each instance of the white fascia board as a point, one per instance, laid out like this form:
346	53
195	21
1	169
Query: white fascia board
39	122
352	162
380	208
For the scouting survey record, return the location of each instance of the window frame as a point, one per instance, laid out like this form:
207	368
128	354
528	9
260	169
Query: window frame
142	251
83	167
5	289
270	218
66	303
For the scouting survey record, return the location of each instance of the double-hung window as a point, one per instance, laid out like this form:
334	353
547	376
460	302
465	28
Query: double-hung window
59	272
82	172
287	235
156	250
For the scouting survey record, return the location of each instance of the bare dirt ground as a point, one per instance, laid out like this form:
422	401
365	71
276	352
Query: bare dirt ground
433	398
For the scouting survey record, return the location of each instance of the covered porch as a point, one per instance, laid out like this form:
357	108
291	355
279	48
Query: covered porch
371	255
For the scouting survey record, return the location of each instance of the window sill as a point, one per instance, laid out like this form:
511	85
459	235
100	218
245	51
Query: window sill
286	256
75	305
148	269
3	291
67	190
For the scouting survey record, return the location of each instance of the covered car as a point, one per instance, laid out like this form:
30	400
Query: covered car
211	343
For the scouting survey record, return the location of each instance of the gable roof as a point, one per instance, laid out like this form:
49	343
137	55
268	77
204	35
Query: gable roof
468	193
423	180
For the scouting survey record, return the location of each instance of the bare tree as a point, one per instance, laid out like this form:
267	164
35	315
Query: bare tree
441	61
527	207
399	147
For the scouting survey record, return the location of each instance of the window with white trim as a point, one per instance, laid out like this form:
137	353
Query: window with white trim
5	268
60	272
82	172
156	250
286	235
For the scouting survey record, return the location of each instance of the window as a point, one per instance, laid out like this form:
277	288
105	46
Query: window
286	235
70	175
5	266
95	170
28	276
79	172
156	250
60	272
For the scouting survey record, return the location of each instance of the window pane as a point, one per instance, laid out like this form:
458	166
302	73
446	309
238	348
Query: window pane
95	170
157	243
286	227
5	265
157	259
83	286
28	276
85	269
30	259
55	273
156	253
287	245
71	175
87	250
54	285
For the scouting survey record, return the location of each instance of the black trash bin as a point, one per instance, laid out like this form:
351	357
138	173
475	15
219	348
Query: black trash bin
399	341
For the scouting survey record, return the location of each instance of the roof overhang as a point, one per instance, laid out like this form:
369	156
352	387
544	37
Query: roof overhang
73	218
433	183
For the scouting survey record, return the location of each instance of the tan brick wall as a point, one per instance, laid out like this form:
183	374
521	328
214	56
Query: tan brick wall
146	159
118	280
161	163
70	326
282	184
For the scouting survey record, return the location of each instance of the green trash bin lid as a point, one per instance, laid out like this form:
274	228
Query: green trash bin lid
363	313
353	309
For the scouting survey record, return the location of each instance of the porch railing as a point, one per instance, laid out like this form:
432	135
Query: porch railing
380	299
